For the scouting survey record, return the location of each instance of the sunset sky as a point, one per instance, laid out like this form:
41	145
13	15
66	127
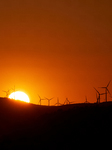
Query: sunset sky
60	48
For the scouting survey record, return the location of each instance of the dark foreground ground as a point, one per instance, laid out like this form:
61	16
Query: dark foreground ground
28	126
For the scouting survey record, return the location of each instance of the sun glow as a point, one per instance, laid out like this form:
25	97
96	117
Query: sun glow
18	95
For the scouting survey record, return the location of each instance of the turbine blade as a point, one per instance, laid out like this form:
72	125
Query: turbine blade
67	100
96	91
108	91
51	98
39	96
101	87
108	83
102	93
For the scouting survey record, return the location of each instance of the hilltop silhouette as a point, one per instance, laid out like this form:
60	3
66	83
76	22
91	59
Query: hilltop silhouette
33	126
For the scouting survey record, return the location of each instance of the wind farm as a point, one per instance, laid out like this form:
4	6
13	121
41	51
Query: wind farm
55	123
55	74
103	94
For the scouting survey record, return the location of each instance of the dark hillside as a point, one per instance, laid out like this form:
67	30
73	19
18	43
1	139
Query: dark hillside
32	126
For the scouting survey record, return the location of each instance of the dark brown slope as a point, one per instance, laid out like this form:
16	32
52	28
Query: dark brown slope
30	126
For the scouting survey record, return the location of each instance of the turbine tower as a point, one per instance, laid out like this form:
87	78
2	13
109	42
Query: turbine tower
58	104
49	100
106	90
40	99
98	98
14	89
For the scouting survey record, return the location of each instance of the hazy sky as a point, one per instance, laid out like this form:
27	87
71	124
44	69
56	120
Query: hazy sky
60	48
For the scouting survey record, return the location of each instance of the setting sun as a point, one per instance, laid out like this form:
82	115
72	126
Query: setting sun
18	95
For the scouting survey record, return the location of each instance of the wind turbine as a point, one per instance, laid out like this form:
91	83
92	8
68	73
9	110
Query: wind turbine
106	90
67	102
40	99
7	93
14	89
49	100
58	104
86	100
98	98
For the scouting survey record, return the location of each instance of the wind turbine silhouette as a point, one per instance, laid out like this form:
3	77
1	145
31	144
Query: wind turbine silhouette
14	89
40	99
86	100
67	102
49	100
98	98
7	93
106	90
58	104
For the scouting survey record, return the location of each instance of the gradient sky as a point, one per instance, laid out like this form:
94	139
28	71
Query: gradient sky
60	48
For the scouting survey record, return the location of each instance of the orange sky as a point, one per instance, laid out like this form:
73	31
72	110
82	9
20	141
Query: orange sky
56	49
